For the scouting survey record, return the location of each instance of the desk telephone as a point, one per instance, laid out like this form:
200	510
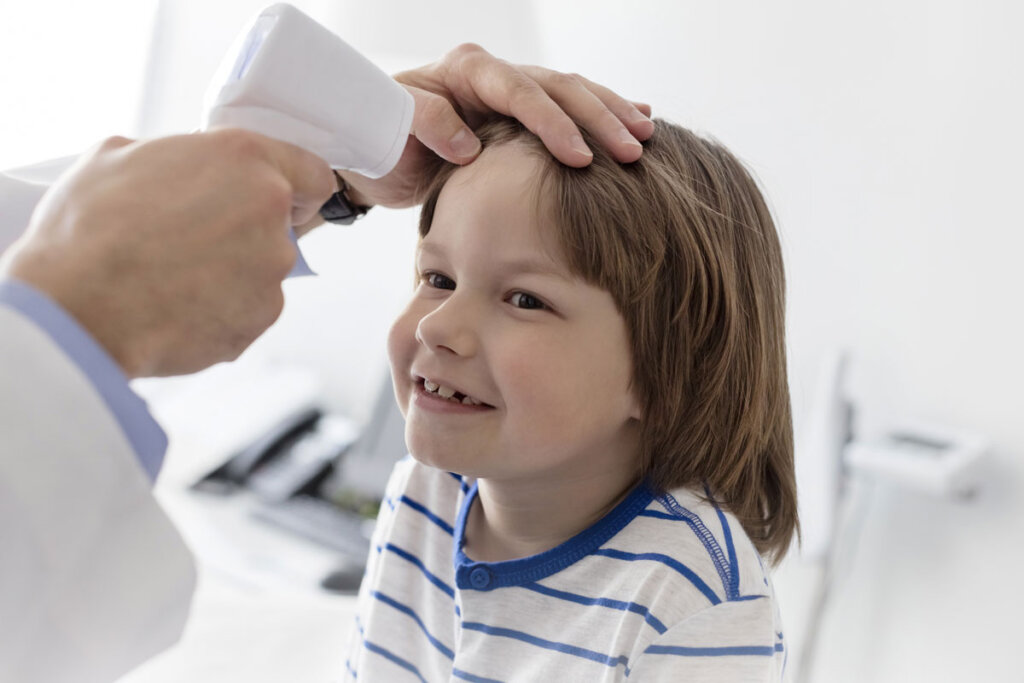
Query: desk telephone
292	458
292	472
317	476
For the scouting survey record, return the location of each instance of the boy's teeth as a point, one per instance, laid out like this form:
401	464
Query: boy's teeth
449	393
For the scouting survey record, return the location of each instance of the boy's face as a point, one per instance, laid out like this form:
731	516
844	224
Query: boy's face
497	317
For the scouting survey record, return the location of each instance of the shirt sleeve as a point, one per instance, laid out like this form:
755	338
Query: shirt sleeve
733	641
148	440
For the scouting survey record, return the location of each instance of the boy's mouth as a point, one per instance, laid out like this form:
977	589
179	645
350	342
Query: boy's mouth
450	394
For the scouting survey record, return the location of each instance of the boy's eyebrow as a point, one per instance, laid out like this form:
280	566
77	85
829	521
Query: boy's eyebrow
517	266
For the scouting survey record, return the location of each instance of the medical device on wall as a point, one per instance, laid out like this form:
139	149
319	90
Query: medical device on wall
289	78
912	454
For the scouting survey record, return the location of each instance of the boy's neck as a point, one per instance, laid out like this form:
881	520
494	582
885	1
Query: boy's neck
515	519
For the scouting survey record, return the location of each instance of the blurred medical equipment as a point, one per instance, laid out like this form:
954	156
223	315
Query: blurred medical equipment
317	476
289	78
916	454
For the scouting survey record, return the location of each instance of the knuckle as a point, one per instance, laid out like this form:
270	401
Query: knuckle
465	50
275	196
238	143
564	81
113	142
522	89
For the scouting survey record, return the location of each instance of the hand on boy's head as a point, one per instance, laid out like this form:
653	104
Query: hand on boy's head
469	84
547	102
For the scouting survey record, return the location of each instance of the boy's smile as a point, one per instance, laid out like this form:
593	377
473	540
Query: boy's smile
506	365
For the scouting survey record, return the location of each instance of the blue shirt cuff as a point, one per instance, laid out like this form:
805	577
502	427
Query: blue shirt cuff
144	434
301	268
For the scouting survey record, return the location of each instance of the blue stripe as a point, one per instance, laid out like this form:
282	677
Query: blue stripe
463	486
348	665
387	654
406	555
602	602
668	561
740	650
706	537
405	609
564	648
458	673
734	565
419	507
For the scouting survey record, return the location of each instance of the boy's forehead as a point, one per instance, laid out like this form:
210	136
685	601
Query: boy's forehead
498	197
502	185
501	165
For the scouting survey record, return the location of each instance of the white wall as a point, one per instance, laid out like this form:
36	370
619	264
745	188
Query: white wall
888	138
70	74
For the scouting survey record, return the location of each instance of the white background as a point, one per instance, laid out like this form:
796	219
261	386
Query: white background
888	138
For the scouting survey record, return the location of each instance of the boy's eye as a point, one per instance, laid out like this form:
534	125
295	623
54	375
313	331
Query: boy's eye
439	281
528	301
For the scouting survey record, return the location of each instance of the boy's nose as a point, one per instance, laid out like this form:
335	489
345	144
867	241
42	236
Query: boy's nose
449	328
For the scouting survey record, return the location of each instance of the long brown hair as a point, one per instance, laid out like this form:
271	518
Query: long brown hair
685	244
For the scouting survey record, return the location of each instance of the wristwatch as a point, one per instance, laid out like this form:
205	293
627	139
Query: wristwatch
339	208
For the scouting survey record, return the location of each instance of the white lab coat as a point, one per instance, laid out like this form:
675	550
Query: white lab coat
94	578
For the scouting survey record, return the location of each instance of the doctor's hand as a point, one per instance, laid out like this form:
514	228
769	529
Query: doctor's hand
468	84
171	252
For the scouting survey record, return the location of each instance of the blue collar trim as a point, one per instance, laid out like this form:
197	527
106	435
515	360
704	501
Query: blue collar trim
485	576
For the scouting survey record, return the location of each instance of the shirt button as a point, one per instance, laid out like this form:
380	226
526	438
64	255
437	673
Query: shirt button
480	578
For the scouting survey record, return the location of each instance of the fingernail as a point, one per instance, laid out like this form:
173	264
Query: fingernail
577	144
464	143
627	137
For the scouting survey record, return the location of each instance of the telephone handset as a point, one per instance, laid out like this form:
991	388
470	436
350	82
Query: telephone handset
291	458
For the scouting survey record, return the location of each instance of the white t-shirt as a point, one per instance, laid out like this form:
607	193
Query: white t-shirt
663	588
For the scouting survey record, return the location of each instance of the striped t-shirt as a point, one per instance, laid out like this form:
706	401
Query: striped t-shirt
663	588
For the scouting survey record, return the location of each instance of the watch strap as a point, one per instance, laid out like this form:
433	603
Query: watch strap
339	208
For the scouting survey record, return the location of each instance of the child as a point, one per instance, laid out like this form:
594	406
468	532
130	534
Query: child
593	375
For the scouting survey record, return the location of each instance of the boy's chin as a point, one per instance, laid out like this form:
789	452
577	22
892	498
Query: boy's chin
442	461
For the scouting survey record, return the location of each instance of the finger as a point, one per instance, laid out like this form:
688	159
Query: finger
636	117
436	124
311	179
614	121
508	90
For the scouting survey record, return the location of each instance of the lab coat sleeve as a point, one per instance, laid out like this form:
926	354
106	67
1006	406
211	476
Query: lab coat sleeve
94	579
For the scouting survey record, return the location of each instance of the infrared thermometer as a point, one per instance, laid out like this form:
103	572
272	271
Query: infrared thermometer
289	78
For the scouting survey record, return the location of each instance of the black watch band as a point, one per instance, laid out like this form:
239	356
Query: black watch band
339	208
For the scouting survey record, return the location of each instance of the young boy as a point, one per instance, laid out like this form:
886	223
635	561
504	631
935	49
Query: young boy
592	371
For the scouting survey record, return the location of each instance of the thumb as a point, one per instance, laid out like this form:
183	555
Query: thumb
436	124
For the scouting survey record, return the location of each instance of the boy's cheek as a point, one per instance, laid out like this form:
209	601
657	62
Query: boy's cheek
401	342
